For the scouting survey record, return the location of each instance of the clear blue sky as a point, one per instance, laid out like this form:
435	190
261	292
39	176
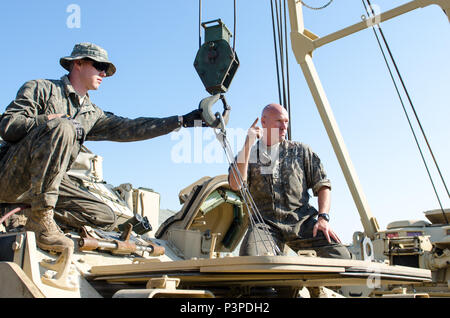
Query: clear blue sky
153	45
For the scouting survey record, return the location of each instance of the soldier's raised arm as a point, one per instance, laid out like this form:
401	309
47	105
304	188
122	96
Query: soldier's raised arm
242	159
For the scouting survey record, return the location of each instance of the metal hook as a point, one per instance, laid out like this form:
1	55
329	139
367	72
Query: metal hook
216	120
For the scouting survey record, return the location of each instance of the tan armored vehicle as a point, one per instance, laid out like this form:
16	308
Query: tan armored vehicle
189	255
413	243
192	253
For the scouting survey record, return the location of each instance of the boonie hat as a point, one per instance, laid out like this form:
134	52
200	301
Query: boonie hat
88	50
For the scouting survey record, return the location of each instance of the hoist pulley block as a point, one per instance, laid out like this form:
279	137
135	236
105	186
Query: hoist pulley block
216	62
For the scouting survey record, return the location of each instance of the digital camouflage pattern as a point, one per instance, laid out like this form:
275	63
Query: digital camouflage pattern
88	50
281	196
41	151
38	98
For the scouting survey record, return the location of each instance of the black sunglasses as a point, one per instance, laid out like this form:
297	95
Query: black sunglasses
99	66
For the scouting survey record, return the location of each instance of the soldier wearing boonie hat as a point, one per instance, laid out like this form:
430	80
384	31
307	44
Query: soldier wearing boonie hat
90	51
44	128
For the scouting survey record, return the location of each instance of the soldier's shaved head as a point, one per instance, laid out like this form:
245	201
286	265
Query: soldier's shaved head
273	108
275	121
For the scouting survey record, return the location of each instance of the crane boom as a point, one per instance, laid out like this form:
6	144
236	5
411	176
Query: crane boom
303	43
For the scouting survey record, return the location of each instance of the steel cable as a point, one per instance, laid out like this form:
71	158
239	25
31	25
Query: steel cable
255	216
404	109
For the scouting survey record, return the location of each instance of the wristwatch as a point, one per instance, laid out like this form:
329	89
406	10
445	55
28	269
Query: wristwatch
324	216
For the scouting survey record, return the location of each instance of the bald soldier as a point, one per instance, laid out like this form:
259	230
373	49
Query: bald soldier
44	128
279	173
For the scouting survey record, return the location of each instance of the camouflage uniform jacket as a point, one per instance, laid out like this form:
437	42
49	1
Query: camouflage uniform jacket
38	98
281	194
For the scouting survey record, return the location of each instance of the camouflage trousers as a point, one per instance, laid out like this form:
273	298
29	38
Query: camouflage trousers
259	237
33	172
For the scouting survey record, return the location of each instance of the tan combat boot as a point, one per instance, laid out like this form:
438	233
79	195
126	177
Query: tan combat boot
48	235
